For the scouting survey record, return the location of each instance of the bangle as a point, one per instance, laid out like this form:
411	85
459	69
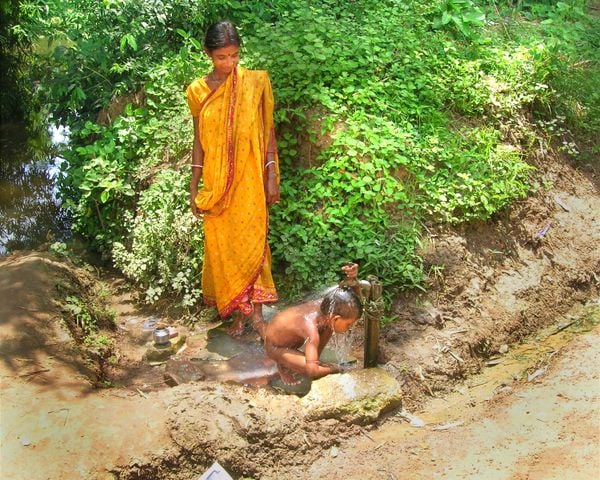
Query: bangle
269	163
197	165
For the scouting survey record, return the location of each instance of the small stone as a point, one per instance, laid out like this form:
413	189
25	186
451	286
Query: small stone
538	373
25	441
157	353
417	422
412	419
503	349
334	451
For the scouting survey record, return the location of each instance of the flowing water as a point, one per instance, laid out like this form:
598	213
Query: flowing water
30	212
342	346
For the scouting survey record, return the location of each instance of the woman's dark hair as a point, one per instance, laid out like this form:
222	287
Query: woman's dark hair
221	34
341	301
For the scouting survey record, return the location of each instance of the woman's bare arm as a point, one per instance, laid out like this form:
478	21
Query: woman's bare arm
197	166
271	183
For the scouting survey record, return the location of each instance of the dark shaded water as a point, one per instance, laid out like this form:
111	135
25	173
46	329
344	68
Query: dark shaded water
30	212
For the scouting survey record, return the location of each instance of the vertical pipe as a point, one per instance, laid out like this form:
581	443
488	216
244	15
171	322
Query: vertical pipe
373	313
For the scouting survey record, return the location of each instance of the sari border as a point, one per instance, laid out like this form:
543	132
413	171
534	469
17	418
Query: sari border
263	297
204	102
234	303
230	135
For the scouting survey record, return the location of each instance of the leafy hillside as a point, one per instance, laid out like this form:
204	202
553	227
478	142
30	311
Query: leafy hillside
392	116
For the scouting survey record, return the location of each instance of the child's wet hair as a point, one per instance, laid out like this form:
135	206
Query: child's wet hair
341	301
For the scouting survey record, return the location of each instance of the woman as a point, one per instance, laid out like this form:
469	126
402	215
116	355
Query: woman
235	152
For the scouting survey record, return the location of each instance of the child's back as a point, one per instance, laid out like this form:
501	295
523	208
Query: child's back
291	327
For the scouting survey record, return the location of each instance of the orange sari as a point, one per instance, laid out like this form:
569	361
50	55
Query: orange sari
235	121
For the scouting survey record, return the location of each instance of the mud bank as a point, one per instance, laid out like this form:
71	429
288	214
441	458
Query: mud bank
492	285
495	283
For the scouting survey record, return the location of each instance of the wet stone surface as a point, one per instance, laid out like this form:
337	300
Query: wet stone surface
358	396
245	369
161	353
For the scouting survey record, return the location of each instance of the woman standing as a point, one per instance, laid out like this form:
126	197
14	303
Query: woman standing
235	153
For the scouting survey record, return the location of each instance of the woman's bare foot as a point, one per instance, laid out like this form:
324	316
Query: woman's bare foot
258	322
238	326
287	376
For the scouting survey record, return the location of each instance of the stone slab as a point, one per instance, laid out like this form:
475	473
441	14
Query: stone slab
358	396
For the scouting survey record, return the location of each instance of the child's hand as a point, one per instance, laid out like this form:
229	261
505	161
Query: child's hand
332	367
350	269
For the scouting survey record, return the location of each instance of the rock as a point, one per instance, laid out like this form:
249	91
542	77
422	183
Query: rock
300	389
163	353
196	341
412	419
538	373
359	396
503	349
182	371
243	369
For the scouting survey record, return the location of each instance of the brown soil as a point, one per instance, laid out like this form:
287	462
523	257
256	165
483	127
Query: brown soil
492	285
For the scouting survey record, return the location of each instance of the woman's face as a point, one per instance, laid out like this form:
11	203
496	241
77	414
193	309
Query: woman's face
225	59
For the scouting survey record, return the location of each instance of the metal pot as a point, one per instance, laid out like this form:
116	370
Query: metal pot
161	336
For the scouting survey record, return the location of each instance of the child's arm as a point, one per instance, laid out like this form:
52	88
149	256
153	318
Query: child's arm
315	369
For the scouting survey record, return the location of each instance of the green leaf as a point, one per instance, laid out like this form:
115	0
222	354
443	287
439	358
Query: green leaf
196	43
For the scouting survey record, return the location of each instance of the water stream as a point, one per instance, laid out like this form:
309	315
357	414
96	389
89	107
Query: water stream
30	211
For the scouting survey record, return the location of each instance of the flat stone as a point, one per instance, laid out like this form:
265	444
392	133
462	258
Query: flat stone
359	396
161	353
300	389
243	369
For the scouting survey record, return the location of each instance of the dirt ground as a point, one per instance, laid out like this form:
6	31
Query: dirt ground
493	285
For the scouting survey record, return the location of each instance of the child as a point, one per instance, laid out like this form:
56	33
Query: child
310	325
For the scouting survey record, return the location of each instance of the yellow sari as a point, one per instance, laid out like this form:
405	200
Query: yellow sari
235	121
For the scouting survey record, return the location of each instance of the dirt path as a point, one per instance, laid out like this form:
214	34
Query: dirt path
545	430
55	424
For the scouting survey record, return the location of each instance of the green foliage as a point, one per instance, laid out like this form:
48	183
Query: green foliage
99	184
16	89
166	242
79	311
85	308
473	177
94	50
389	113
87	319
461	16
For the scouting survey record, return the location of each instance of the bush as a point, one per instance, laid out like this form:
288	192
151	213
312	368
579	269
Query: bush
166	242
389	114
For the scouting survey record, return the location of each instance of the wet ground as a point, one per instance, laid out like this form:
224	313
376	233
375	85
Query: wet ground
534	418
531	413
208	353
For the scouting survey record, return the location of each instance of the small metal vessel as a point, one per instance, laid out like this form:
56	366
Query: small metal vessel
161	336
